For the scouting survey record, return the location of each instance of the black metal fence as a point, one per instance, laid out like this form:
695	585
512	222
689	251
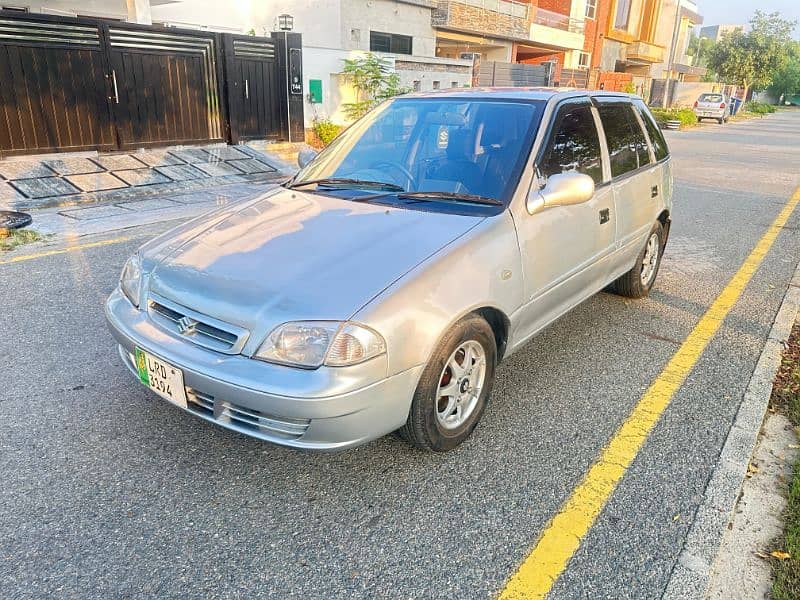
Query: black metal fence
79	84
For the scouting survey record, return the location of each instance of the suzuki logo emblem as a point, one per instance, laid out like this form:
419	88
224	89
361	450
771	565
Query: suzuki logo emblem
186	325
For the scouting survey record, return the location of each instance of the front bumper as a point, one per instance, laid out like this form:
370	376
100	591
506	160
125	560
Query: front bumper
324	409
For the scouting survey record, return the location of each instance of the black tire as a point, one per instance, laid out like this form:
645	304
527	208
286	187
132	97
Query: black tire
721	121
10	219
630	285
423	429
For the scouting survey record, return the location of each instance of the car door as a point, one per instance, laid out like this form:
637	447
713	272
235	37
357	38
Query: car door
563	247
635	178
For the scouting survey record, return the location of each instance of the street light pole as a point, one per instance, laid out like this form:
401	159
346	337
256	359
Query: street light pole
671	63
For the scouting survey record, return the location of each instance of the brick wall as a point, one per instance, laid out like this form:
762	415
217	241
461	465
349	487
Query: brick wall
562	7
614	82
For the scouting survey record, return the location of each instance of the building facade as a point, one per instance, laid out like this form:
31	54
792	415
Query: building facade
678	20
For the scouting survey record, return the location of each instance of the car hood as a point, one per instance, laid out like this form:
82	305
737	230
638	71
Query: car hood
290	255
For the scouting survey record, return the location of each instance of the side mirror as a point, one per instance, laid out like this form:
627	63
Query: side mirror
305	156
564	189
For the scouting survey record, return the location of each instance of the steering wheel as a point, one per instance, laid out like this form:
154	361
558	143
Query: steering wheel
411	179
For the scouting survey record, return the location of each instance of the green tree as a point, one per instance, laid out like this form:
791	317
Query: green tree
374	81
786	82
751	59
699	49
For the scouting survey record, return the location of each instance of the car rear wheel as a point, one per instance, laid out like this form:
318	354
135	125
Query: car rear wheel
454	388
638	282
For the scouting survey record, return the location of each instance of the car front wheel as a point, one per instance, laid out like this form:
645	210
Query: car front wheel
454	387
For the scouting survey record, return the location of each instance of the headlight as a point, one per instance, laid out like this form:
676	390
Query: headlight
311	344
130	281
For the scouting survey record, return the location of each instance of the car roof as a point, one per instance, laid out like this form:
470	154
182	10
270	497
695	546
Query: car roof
516	93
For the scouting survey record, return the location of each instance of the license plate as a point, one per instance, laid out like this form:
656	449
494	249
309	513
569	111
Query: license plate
161	377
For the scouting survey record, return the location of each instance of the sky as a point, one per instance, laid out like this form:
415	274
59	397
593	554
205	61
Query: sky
734	12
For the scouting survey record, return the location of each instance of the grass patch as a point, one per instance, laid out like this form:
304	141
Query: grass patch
14	238
786	399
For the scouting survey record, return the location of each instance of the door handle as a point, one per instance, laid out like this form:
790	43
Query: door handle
654	191
605	216
115	97
247	89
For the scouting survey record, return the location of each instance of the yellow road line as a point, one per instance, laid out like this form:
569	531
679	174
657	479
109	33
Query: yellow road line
77	247
564	534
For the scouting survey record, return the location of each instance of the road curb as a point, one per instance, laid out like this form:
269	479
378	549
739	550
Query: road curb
690	577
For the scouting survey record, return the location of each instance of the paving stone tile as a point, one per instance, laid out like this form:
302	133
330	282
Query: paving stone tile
192	155
250	165
95	182
8	193
137	177
24	169
95	212
158	158
218	169
181	172
44	187
72	166
118	162
226	153
151	204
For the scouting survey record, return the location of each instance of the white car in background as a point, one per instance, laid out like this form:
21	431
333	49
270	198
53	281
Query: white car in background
713	106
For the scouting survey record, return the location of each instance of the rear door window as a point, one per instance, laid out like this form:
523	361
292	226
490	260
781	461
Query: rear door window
621	138
574	144
654	131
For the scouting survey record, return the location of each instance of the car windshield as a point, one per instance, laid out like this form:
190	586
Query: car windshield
711	98
459	150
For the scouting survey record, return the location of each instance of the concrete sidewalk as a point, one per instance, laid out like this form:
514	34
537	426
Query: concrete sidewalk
59	180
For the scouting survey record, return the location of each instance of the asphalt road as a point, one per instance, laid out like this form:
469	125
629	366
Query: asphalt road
107	491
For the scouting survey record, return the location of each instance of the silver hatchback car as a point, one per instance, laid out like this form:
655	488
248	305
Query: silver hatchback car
379	288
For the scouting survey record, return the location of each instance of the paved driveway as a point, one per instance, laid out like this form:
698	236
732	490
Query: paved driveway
108	491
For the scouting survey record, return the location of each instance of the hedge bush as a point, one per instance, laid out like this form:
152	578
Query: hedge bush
759	108
326	130
686	116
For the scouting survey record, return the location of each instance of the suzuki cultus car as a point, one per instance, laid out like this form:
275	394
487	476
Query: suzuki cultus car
379	288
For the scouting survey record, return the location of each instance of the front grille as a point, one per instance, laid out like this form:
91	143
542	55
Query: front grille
252	422
200	329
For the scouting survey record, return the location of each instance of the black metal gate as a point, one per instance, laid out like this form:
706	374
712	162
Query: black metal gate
253	79
77	84
52	87
165	86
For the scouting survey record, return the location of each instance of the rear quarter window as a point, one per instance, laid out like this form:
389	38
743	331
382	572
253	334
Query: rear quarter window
660	148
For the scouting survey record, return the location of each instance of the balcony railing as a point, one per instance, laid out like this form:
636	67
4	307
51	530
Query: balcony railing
502	18
646	52
548	18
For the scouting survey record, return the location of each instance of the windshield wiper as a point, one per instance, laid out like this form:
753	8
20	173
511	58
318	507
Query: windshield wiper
452	196
346	182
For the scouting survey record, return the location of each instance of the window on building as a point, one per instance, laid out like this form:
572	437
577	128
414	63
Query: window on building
389	42
416	85
453	84
437	85
591	9
584	59
623	14
574	145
